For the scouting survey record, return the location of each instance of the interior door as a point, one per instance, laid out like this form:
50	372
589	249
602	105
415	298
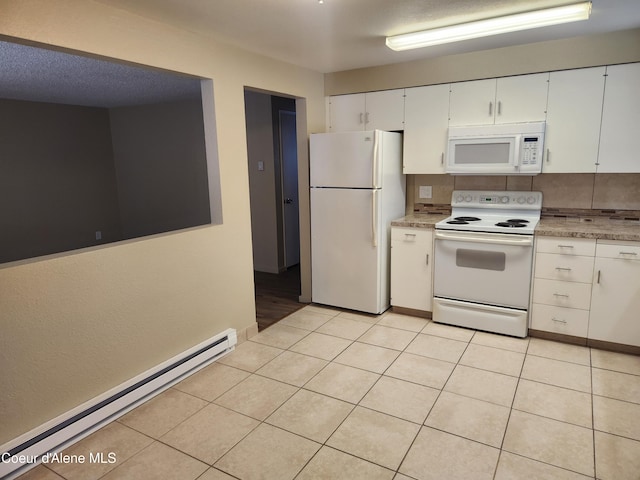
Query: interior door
289	163
345	259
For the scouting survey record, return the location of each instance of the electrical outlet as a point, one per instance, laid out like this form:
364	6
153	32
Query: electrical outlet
260	166
98	235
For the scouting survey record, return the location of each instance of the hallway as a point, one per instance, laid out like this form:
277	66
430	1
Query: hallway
276	295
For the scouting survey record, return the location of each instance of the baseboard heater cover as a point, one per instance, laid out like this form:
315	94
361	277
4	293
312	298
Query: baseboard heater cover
74	425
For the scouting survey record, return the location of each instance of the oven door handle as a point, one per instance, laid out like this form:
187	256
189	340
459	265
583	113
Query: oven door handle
490	239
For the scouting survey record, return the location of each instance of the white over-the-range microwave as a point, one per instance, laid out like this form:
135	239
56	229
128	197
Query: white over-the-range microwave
507	149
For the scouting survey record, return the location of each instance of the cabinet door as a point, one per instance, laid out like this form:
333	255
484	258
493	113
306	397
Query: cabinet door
426	116
522	98
472	103
411	268
384	110
616	301
574	111
346	112
620	120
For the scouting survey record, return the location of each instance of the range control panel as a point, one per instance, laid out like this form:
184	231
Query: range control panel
493	199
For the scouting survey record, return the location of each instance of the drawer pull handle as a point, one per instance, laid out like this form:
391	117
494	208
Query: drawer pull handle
558	320
410	235
598	281
560	295
565	246
564	269
427	262
628	253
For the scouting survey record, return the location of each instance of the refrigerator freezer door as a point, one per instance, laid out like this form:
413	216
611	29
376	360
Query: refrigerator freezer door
346	262
345	159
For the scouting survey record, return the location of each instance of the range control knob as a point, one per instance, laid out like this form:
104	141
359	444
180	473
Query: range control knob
467	198
521	200
504	199
459	198
531	200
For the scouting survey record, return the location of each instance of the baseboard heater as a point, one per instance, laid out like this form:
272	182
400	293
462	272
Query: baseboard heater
72	426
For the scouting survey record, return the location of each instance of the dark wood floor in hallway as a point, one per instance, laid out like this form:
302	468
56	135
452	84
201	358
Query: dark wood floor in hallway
276	295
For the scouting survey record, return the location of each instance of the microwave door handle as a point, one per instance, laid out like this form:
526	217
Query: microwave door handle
517	154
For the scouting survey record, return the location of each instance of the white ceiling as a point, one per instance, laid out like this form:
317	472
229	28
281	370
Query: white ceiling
346	34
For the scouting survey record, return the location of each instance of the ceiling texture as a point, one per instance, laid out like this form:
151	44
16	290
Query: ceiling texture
327	37
346	34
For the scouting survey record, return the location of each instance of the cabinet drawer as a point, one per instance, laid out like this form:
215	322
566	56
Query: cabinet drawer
562	294
571	268
568	321
411	235
566	246
621	250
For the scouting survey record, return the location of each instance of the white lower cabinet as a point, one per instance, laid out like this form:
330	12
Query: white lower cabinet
411	268
562	285
587	289
615	305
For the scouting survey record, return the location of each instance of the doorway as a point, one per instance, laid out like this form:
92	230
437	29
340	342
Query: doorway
272	148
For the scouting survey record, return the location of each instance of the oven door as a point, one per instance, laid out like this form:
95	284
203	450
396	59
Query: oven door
487	268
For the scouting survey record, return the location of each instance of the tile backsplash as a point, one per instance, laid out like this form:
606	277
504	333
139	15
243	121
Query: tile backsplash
560	191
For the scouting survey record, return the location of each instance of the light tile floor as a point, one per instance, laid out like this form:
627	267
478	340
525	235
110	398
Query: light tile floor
336	395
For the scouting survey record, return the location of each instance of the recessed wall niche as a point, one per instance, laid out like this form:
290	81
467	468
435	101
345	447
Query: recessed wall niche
94	151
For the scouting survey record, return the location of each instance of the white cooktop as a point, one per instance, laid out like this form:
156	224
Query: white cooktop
493	212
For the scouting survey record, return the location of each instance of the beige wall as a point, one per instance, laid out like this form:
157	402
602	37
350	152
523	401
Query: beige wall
603	49
76	325
262	183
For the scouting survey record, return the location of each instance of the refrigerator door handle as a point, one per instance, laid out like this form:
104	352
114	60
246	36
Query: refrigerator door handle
374	218
376	141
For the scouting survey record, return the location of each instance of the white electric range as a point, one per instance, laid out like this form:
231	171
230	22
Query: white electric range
483	261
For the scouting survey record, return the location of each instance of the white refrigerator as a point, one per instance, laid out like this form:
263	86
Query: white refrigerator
357	189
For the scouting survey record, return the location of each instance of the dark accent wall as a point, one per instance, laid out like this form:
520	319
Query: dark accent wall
67	172
57	179
161	167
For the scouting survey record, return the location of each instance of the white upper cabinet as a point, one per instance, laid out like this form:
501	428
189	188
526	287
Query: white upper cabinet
620	120
503	100
574	111
426	117
472	103
346	112
385	110
367	111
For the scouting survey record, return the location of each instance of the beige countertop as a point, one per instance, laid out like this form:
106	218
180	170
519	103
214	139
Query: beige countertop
598	228
419	220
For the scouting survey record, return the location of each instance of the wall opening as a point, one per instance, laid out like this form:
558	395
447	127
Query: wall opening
93	151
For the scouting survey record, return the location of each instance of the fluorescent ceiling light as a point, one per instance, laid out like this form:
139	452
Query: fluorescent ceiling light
491	26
